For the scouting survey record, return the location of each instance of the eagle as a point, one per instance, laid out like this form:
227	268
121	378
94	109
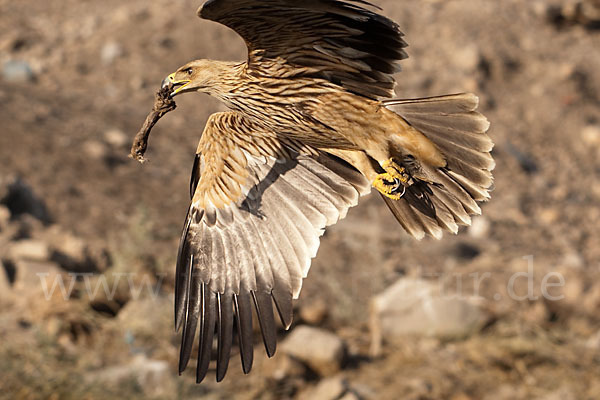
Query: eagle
312	125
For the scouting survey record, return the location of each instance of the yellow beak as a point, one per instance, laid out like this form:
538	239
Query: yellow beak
178	85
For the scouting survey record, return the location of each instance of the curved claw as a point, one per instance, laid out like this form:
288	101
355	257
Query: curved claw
389	186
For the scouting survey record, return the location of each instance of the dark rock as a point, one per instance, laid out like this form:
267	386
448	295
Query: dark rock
73	254
20	199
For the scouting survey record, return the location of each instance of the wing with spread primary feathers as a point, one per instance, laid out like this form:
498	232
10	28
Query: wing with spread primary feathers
341	41
259	206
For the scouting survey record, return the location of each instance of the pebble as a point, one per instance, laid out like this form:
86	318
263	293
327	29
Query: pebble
4	216
30	250
154	377
591	135
20	199
314	313
480	227
328	389
116	138
16	71
467	58
321	350
110	52
95	149
5	283
418	307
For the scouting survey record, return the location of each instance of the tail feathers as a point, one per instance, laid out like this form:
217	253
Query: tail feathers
459	132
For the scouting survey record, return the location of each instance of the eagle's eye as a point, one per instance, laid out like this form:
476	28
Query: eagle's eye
189	71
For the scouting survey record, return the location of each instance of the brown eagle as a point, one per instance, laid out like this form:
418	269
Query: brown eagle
312	126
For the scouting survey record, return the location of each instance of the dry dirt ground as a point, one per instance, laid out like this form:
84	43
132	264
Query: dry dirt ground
65	130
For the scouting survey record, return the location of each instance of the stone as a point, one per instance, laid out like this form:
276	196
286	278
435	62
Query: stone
420	308
467	58
30	250
591	135
155	377
5	283
71	252
4	216
95	149
593	342
563	393
6	292
314	313
320	350
42	280
288	367
480	227
110	52
148	319
16	71
328	389
116	138
20	199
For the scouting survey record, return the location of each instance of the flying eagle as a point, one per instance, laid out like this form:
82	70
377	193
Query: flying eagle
312	126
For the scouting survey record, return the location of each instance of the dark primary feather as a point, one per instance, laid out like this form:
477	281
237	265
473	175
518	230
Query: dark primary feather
254	253
341	41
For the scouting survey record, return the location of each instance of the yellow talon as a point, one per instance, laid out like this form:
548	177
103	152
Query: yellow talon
387	186
395	171
393	182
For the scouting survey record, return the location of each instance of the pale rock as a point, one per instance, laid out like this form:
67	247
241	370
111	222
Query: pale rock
6	292
288	367
467	58
148	317
29	250
41	279
328	389
72	253
16	71
593	342
573	260
4	217
321	350
350	396
591	301
563	393
420	308
110	52
569	289
94	149
314	312
480	227
591	135
155	377
115	138
505	392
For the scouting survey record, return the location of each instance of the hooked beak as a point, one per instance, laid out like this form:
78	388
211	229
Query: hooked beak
176	86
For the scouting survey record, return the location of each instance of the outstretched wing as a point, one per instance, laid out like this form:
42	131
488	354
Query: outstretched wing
259	206
341	41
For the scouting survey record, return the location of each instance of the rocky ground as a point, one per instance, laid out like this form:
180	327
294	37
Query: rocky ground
508	309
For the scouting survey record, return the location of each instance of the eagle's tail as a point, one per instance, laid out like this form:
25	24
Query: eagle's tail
448	196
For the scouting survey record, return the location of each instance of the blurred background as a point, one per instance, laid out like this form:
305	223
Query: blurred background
508	309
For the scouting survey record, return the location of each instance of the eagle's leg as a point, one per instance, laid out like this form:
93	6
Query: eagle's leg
393	182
